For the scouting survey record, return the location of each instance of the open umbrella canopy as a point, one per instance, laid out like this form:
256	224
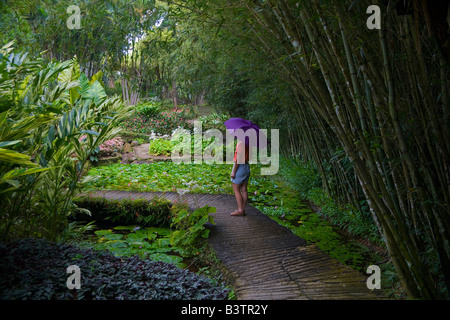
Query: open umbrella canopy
247	132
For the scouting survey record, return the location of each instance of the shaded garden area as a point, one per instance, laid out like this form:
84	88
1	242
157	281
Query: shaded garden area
362	115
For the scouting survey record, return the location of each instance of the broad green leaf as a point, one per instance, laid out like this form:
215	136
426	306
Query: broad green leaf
97	77
113	236
176	260
138	244
13	174
90	132
102	232
130	228
15	157
9	143
96	93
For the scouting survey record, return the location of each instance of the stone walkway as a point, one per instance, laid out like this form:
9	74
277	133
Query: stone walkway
266	260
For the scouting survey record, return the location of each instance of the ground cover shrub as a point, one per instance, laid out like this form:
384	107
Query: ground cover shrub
214	120
111	147
348	218
184	142
190	229
144	212
305	179
300	176
164	122
36	269
147	110
165	147
160	147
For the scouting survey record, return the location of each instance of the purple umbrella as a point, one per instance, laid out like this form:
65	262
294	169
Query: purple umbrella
246	131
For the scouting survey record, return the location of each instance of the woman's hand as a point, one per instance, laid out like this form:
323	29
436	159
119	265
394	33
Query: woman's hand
232	175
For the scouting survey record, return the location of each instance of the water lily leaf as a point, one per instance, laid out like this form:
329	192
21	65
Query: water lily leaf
113	236
117	244
159	231
164	242
124	228
102	232
138	244
176	260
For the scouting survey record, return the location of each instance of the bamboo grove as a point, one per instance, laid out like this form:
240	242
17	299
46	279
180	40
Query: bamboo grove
380	96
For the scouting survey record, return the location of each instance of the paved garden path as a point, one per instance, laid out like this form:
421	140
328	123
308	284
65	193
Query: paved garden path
266	260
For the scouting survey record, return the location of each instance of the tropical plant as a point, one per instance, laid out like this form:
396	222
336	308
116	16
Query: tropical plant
160	147
147	110
190	228
53	120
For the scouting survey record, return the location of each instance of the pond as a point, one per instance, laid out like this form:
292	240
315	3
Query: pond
148	243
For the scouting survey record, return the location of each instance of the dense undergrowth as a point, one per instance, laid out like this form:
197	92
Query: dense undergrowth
36	269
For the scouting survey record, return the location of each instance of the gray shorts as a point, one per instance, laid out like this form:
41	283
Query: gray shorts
242	174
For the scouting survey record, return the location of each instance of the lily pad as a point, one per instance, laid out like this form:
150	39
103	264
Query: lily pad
137	244
176	260
159	231
130	228
103	232
113	236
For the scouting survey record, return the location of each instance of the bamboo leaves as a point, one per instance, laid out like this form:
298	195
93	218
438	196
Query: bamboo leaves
377	95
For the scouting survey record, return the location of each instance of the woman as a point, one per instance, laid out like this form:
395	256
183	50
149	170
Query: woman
239	176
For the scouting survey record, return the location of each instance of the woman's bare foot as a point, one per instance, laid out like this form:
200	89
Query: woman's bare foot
238	212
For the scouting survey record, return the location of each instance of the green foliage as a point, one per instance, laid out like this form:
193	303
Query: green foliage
36	270
274	211
148	110
304	178
164	122
139	211
190	228
160	147
53	120
148	243
162	176
214	120
348	218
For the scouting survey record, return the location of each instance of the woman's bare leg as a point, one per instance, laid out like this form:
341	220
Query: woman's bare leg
239	200
244	193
